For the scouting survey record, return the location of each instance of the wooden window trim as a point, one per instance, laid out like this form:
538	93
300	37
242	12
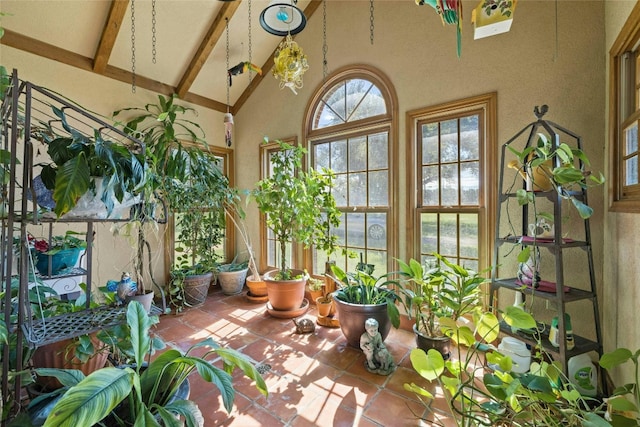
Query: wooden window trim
387	122
627	40
489	103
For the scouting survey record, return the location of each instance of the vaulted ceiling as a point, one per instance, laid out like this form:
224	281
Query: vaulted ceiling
190	42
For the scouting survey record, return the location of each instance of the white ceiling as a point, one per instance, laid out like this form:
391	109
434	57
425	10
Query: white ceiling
76	26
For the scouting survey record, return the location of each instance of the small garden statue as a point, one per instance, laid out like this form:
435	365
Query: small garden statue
379	360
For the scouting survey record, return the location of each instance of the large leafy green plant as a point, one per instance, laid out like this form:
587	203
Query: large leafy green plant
141	396
77	160
298	204
445	291
541	396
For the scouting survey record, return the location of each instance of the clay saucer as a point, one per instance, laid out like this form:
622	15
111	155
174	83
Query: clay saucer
328	321
289	314
256	299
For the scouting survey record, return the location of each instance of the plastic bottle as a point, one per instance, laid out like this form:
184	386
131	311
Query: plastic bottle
583	375
553	332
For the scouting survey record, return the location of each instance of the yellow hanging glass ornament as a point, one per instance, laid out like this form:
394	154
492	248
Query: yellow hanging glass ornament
289	64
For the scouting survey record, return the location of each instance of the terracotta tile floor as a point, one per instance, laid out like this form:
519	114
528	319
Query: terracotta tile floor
313	380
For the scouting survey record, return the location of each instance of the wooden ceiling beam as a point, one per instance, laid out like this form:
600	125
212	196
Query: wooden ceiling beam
206	46
266	67
54	53
109	35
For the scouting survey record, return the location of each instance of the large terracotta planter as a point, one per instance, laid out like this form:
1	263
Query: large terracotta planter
285	295
442	344
353	316
61	355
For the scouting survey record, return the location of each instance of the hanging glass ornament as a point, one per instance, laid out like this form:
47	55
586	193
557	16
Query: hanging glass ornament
289	64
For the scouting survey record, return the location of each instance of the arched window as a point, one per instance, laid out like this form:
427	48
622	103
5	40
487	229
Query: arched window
351	129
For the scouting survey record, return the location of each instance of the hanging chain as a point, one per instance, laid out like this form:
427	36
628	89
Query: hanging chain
325	48
227	30
371	20
250	61
153	31
133	47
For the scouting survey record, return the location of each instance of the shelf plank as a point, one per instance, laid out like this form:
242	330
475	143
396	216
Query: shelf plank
573	294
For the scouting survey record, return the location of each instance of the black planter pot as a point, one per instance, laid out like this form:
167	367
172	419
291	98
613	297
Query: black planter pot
442	344
353	316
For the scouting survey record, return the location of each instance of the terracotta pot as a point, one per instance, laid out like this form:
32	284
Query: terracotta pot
232	282
257	288
312	295
353	316
196	288
442	344
324	306
61	355
285	295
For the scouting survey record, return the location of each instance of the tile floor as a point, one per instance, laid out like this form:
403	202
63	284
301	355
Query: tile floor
313	380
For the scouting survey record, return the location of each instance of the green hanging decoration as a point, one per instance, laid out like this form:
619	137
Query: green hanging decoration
450	12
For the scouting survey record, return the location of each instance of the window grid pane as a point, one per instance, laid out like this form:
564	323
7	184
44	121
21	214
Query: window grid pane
450	171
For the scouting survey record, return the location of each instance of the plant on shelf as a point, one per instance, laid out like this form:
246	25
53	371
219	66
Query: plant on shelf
113	171
143	394
361	295
552	166
60	252
298	204
439	296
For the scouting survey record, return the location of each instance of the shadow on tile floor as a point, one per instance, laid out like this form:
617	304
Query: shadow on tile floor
313	379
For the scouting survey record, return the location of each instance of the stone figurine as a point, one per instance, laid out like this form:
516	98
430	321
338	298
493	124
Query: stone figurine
379	360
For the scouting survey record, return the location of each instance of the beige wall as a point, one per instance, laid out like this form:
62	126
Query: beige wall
621	243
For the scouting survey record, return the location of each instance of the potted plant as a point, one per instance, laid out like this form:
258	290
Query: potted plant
171	167
57	254
200	224
111	172
547	166
361	296
232	276
126	396
542	396
297	205
315	288
440	294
